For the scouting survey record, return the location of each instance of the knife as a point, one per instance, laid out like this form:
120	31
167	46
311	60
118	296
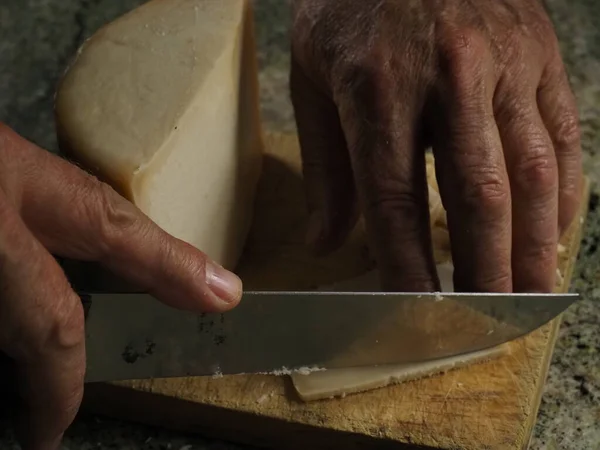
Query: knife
134	336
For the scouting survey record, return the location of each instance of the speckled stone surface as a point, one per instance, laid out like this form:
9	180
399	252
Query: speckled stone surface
37	38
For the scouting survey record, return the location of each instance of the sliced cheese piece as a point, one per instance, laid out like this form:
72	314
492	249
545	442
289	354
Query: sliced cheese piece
341	382
162	103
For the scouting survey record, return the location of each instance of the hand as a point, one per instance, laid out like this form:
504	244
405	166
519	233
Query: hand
50	206
482	82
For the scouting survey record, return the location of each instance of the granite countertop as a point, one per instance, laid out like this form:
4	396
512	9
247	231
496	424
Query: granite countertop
37	38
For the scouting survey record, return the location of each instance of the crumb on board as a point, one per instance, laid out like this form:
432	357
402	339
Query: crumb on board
264	397
217	373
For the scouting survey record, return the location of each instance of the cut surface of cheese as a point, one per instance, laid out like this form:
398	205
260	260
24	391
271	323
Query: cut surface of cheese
341	382
162	104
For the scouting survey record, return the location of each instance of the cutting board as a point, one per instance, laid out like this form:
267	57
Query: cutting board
485	406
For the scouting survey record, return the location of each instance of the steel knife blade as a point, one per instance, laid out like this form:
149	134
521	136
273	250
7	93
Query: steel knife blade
134	336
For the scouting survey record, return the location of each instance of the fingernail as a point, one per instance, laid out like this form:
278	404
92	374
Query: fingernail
314	229
224	284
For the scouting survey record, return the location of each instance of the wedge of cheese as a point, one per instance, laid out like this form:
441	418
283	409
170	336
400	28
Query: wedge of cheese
162	103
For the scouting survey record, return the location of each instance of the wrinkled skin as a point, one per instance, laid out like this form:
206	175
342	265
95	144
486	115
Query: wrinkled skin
48	206
374	83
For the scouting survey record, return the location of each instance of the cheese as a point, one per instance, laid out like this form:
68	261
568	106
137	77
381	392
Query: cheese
162	104
341	382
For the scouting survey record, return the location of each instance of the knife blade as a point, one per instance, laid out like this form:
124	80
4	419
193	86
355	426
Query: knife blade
133	336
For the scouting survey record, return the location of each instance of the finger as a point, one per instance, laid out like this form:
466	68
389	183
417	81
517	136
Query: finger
42	329
328	178
533	174
380	121
76	216
558	109
473	181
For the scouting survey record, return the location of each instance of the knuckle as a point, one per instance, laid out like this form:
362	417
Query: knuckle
394	202
324	39
541	249
487	191
510	54
109	214
463	54
69	325
53	327
313	45
497	281
485	276
64	325
398	210
366	78
537	174
567	136
512	42
462	44
546	35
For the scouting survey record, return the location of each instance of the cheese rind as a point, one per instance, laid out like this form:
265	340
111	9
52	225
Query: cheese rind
162	103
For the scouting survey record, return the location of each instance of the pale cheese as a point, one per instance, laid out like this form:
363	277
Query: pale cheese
162	103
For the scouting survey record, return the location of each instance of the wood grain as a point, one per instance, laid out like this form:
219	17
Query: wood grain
486	406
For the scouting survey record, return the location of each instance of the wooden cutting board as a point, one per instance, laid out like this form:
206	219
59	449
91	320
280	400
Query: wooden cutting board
486	406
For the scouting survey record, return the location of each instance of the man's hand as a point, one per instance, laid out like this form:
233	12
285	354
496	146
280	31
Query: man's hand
374	83
50	206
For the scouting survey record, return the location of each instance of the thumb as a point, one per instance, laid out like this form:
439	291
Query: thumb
327	171
74	215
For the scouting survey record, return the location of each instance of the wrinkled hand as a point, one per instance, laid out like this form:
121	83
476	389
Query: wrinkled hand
50	206
374	83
